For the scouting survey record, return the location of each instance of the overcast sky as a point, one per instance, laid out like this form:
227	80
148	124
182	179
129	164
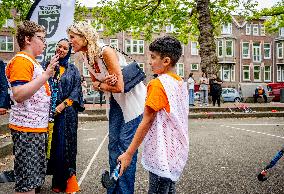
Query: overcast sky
261	3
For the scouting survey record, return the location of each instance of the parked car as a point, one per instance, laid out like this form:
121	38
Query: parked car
196	96
93	97
231	95
274	90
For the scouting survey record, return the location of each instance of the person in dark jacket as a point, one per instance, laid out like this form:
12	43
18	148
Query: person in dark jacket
4	96
215	89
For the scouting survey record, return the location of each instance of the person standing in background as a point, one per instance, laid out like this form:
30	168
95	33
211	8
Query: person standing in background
203	88
215	89
84	85
191	82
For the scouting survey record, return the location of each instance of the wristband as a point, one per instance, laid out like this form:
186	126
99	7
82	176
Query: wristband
65	103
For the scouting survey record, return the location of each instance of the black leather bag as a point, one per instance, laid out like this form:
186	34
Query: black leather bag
132	75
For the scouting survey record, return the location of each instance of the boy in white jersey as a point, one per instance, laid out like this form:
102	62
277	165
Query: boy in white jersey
29	115
164	128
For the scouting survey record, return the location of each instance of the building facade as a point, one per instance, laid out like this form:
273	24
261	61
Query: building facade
246	53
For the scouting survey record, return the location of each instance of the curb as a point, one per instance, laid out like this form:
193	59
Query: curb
205	115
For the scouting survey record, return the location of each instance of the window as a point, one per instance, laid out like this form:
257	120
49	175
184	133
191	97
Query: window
233	73
262	30
9	23
246	50
101	40
180	69
227	28
227	72
90	89
142	66
98	26
280	50
182	49
248	29
256	52
280	73
6	43
267	73
220	48
113	43
246	73
134	46
85	71
281	31
194	49
255	30
256	73
194	66
170	29
267	50
229	48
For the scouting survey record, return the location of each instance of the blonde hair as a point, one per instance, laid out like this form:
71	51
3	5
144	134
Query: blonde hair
87	31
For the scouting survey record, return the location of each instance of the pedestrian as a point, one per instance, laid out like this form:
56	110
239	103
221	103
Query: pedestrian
62	162
125	109
191	83
29	115
84	85
164	128
101	98
259	91
4	96
203	88
216	89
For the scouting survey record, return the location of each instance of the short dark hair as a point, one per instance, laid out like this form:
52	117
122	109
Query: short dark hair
167	46
27	28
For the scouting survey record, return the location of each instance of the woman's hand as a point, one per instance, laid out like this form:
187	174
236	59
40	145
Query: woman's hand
111	79
60	108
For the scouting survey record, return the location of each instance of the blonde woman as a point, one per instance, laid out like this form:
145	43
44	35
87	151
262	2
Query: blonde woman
125	111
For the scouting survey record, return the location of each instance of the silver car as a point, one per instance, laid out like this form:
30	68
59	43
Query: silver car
93	97
231	95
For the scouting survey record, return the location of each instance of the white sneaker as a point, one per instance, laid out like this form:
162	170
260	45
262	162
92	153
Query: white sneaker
200	105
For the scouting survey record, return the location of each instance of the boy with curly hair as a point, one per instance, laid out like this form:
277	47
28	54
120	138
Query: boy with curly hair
164	127
29	115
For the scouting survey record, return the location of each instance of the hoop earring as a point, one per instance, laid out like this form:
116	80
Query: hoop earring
85	42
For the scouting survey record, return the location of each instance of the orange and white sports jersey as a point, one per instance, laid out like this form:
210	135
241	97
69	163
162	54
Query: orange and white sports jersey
156	94
32	114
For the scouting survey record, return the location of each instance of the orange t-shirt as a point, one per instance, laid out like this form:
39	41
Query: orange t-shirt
22	70
156	95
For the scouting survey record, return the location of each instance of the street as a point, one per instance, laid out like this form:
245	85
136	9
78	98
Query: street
225	156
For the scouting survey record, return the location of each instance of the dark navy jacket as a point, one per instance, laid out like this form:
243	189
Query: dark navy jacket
4	96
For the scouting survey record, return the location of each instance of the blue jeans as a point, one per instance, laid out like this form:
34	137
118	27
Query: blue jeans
120	137
160	185
191	97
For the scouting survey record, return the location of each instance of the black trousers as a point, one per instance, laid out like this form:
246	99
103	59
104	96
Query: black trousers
256	96
216	98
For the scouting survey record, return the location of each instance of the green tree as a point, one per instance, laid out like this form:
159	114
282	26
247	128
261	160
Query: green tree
20	7
274	17
195	19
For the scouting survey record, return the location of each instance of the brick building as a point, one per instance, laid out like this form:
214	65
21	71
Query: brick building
245	51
